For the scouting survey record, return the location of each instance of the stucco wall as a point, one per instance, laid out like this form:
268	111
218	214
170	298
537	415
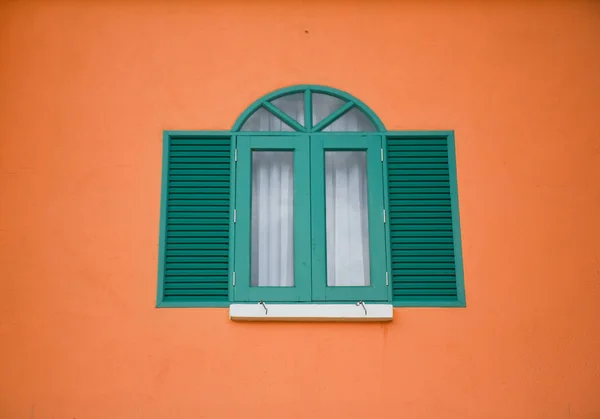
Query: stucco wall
86	89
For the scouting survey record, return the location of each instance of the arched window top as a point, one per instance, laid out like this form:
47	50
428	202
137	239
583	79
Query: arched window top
308	108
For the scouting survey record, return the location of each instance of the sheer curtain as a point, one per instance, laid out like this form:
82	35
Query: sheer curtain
346	199
347	220
272	219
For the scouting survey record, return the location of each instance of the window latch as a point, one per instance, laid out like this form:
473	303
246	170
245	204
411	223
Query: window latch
262	303
360	303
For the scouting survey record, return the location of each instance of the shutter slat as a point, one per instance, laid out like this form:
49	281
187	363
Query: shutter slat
192	194
199	165
423	216
404	238
399	201
201	171
197	240
195	272
197	265
401	265
448	285
409	153
423	209
412	176
189	158
407	226
440	221
403	195
196	259
417	234
425	158
175	246
204	215
420	258
423	270
417	252
197	299
200	180
426	292
186	188
420	189
194	293
210	199
196	286
178	279
214	256
424	279
442	167
430	247
422	143
203	140
212	206
198	234
204	221
420	213
201	149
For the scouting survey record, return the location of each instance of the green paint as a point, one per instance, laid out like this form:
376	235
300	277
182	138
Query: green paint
458	259
283	116
425	248
299	145
265	102
200	246
377	291
337	114
232	191
195	217
160	293
308	121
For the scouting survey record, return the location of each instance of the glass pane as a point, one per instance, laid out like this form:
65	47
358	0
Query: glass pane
293	105
348	261
263	120
353	120
323	105
272	219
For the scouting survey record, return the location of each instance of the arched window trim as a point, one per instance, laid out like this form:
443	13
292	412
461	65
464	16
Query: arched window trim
307	90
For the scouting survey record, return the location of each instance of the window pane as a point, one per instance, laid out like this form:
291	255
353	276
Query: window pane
272	219
293	105
347	218
323	105
353	120
263	120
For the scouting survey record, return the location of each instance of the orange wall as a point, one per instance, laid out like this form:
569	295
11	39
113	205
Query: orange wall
87	88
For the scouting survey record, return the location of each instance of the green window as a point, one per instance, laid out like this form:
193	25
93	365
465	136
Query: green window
308	199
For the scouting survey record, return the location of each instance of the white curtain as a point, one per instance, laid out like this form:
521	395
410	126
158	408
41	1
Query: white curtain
346	199
272	218
347	218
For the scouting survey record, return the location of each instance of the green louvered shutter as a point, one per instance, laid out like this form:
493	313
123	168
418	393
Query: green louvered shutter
195	220
424	227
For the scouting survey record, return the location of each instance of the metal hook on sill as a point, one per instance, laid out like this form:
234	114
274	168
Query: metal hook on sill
360	303
264	306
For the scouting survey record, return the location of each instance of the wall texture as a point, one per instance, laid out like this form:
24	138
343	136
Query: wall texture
86	88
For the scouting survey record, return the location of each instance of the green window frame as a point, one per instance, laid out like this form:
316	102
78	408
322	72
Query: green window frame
377	290
301	291
205	223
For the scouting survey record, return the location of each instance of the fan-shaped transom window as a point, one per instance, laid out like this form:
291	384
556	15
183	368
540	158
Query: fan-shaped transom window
327	111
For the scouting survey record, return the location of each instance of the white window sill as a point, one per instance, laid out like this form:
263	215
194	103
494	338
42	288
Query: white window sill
311	312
